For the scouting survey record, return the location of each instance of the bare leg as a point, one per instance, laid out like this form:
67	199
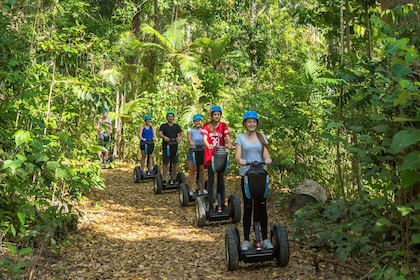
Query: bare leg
143	156
201	177
192	174
174	170
165	172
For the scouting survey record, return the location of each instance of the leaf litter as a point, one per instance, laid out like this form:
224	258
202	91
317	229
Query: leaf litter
128	232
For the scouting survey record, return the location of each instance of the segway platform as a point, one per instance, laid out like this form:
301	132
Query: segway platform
232	212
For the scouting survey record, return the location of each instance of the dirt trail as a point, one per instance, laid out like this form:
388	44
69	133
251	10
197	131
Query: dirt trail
128	232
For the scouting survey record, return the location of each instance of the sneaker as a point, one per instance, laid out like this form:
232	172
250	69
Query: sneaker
171	182
258	245
224	208
211	209
245	245
219	209
190	193
267	244
199	192
205	191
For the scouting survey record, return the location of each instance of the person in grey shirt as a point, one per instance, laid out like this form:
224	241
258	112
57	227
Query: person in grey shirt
252	146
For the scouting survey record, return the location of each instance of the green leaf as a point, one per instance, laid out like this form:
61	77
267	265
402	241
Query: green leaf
416	205
405	138
12	164
415	239
334	125
22	217
404	210
399	71
408	177
25	251
383	222
393	45
62	173
22	137
411	161
381	128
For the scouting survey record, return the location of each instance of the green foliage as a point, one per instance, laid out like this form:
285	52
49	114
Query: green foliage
11	265
370	230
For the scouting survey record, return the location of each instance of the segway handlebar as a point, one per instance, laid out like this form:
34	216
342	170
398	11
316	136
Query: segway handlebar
255	163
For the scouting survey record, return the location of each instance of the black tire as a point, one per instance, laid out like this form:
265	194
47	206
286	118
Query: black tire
180	178
234	208
281	244
156	169
184	196
158	181
232	248
200	212
137	174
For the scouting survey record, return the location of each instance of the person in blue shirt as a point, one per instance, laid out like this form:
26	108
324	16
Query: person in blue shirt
146	132
252	146
195	138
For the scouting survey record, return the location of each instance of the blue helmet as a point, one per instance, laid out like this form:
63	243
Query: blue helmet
197	117
250	115
215	108
104	111
147	118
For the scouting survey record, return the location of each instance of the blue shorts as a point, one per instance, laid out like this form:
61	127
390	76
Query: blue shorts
190	154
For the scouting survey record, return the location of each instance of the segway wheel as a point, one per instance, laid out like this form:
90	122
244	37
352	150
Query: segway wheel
180	178
158	184
137	174
183	194
232	248
234	208
200	212
281	244
156	170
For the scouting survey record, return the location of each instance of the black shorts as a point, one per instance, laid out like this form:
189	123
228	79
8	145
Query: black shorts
166	158
104	140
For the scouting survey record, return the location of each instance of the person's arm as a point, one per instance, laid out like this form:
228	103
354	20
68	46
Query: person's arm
154	134
180	134
206	142
238	155
229	142
189	137
267	157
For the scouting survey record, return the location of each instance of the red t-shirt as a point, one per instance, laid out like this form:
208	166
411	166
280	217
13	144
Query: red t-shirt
217	138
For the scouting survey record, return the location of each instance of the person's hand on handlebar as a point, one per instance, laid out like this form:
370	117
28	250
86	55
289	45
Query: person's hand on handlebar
242	161
268	161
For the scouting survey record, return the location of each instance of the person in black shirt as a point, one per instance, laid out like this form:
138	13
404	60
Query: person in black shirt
168	131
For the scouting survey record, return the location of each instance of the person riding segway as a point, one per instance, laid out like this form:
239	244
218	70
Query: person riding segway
215	135
171	134
147	137
252	154
195	161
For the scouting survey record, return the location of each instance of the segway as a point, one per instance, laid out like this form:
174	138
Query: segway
233	211
104	148
256	186
138	174
159	185
185	194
